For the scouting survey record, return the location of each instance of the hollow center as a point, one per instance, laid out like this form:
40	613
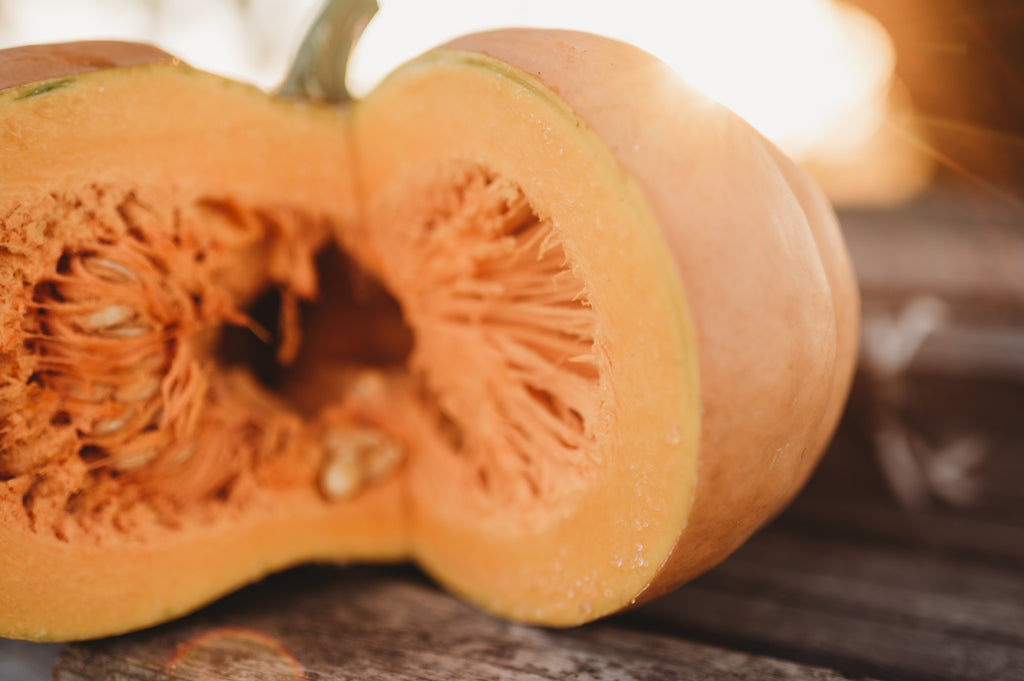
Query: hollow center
353	324
182	357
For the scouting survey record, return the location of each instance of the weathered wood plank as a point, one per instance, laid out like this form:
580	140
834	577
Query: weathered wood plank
941	375
377	625
23	661
862	607
942	533
935	412
962	250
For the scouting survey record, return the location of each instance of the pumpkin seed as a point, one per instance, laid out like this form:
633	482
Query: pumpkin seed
354	457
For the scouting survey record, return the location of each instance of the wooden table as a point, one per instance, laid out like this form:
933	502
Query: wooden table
844	584
849	582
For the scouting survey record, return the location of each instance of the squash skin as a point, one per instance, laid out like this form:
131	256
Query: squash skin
767	277
760	266
37	63
766	411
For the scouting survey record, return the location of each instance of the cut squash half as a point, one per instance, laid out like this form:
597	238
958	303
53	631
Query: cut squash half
533	314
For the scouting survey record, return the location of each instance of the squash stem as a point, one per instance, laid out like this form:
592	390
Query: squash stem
321	63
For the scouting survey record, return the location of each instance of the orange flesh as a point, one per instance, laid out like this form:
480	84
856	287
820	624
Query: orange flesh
132	410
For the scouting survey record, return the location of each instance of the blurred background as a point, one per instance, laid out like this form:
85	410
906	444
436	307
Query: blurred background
910	113
880	97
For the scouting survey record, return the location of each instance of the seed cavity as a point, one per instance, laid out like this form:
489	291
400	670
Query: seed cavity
130	335
505	334
117	372
112	336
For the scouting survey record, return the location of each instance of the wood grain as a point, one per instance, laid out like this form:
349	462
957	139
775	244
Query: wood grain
965	249
861	607
366	624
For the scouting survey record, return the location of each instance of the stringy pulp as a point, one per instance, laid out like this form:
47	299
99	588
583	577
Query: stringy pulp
129	400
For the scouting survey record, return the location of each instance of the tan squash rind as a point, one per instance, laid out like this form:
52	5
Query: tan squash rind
761	258
39	63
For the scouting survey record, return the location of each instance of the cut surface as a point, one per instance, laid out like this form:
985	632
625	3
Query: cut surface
143	460
189	359
130	414
577	513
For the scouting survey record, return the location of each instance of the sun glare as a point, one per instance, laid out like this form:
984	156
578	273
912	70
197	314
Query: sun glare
812	75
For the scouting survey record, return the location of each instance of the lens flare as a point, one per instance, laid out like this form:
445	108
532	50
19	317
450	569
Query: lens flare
812	75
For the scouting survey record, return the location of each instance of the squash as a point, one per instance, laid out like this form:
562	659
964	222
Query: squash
533	314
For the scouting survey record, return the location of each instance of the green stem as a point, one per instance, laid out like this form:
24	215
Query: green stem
319	69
